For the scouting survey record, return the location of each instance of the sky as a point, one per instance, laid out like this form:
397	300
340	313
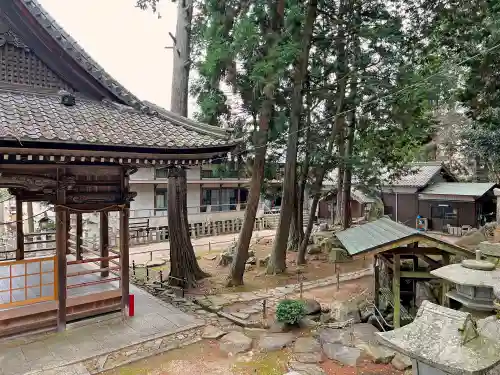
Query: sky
129	43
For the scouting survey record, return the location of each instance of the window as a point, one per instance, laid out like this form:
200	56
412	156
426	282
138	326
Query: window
161	173
222	199
161	200
443	212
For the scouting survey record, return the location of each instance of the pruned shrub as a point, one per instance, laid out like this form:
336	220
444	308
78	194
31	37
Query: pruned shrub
290	311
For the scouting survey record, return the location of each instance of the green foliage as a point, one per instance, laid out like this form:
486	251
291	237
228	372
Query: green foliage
290	311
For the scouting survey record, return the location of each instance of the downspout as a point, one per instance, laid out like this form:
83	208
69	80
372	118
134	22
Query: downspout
396	206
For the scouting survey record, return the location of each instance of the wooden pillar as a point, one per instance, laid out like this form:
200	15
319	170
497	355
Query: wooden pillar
445	285
104	242
376	284
61	246
68	227
124	258
79	234
19	230
396	290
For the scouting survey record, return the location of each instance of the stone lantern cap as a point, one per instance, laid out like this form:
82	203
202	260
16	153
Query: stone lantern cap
471	272
448	340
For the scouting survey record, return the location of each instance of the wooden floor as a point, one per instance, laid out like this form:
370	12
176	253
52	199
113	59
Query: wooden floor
34	291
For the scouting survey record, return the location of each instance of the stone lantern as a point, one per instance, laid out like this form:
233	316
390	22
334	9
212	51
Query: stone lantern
442	341
474	280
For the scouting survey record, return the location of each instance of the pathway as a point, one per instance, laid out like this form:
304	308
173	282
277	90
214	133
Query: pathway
97	344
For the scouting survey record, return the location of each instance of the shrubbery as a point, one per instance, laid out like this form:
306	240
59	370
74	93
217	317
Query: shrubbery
290	311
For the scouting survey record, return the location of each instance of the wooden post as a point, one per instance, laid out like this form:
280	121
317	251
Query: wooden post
104	242
445	285
376	284
124	258
68	227
396	280
19	230
79	233
61	245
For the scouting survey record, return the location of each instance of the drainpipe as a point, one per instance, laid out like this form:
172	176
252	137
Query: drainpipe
396	206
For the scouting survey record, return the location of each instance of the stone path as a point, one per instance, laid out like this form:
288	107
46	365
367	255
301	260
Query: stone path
216	303
101	343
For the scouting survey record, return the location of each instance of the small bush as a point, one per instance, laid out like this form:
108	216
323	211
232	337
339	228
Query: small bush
290	311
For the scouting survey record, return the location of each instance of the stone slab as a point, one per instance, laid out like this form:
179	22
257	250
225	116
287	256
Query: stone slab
94	338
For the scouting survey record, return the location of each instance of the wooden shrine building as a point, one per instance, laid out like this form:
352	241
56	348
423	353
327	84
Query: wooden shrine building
71	135
403	257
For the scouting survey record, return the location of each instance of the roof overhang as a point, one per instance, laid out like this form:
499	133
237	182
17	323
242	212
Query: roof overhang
449	198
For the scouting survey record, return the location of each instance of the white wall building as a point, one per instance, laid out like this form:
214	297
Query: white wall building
210	197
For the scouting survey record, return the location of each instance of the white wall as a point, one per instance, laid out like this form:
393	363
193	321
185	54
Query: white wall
143	174
145	196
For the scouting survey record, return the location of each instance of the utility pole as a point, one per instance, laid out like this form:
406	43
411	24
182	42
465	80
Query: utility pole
182	62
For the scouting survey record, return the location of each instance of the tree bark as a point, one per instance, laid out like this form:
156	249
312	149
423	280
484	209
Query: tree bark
181	63
294	234
184	268
351	127
301	257
238	266
277	262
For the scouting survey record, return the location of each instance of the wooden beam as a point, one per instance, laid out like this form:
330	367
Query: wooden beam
19	230
417	275
61	245
431	262
387	261
416	251
445	285
79	234
104	242
396	291
124	258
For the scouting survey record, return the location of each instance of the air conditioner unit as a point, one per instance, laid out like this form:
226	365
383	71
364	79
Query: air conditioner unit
422	224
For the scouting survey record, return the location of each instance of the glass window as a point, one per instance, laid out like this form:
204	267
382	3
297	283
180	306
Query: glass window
161	200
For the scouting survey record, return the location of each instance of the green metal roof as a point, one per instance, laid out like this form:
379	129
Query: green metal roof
473	189
374	234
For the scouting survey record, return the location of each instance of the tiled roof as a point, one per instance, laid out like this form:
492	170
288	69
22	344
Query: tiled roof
371	235
384	231
473	189
40	117
419	175
78	54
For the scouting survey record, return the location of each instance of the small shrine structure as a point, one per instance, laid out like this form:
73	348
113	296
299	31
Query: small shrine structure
402	256
71	135
442	341
473	281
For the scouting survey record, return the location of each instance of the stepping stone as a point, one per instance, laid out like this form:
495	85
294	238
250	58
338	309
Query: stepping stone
344	354
377	353
212	333
275	341
241	315
307	345
305	368
334	336
308	357
235	342
401	362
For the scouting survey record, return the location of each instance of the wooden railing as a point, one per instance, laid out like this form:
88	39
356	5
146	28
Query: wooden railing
35	245
28	281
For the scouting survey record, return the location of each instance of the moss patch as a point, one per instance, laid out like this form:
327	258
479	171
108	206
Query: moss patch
273	363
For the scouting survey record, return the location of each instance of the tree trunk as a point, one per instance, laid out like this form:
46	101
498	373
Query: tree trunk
277	262
182	51
301	257
238	266
31	221
184	270
294	235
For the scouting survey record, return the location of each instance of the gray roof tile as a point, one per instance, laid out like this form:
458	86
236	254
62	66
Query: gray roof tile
474	189
40	117
419	175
